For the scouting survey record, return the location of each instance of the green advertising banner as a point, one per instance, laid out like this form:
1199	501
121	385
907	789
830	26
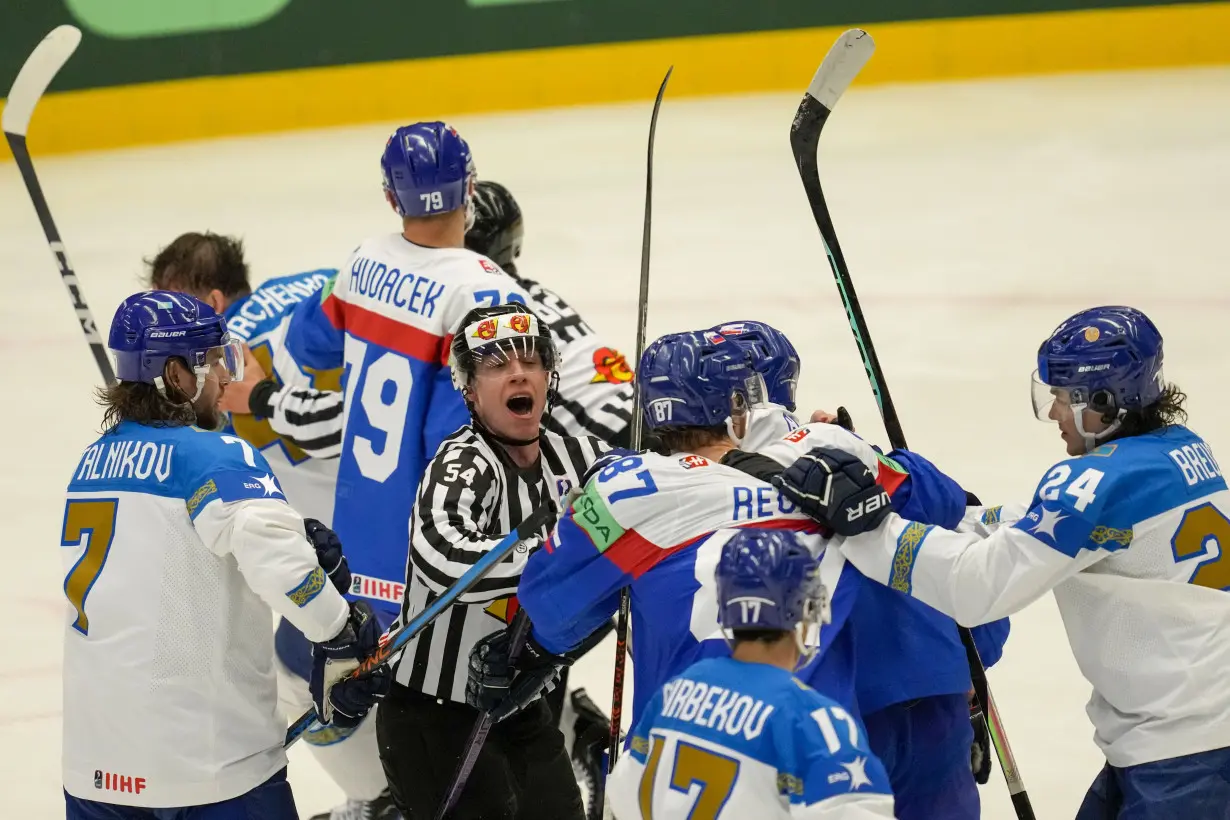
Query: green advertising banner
131	41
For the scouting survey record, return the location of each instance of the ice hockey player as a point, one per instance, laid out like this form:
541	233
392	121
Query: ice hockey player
1122	532
651	522
212	268
761	742
178	543
595	380
481	484
913	674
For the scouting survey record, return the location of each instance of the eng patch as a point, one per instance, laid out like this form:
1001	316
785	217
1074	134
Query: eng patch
308	589
590	513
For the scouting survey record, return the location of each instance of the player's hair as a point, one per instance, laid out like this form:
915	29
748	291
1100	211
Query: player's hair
142	403
761	635
1167	410
197	263
689	439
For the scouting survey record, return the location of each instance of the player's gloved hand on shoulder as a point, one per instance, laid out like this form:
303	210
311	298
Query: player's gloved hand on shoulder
340	699
841	418
835	488
501	685
329	553
605	460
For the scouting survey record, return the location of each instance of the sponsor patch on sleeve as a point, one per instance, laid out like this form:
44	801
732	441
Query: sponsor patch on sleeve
308	589
590	513
237	485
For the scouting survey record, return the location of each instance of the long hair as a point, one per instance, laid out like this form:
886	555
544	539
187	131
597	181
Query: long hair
142	403
1167	410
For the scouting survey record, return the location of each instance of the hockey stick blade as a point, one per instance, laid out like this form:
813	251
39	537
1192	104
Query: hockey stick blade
642	321
841	65
398	640
48	57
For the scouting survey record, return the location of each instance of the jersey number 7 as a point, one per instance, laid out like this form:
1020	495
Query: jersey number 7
715	774
92	521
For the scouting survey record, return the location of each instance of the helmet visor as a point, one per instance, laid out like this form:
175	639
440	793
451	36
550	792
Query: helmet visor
227	356
1045	396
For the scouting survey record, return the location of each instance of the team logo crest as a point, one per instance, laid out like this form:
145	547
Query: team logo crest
486	330
1092	334
519	322
693	461
611	367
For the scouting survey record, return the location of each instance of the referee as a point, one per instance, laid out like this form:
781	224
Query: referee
482	482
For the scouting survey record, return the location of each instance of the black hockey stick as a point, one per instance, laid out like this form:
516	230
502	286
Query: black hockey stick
638	426
40	68
482	727
535	521
843	62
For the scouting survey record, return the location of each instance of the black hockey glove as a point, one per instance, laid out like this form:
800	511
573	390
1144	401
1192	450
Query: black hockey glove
329	553
340	699
501	685
980	751
836	489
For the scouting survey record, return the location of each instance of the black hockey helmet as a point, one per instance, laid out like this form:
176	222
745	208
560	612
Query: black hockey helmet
501	332
497	232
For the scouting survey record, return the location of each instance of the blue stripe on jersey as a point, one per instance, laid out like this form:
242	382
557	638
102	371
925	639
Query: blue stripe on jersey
263	309
308	589
188	463
908	544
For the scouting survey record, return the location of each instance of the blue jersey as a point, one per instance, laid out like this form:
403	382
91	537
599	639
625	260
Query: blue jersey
262	320
728	739
904	649
389	316
657	524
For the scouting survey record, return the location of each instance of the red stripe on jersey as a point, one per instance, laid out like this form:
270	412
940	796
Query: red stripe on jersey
890	479
390	333
333	310
635	556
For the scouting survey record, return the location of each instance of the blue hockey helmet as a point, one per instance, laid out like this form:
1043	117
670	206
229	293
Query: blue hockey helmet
695	379
153	326
427	168
769	580
1105	359
773	356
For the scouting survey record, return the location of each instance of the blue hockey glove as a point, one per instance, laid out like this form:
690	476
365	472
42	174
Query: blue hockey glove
340	699
836	489
329	553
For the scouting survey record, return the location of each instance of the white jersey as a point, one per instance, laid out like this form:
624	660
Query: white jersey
728	739
177	543
766	424
261	320
1128	536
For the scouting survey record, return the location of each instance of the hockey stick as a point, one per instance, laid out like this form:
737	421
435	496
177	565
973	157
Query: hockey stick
843	62
478	735
638	424
398	640
40	68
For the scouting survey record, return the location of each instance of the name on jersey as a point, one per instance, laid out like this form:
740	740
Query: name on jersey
365	586
715	707
376	280
1197	463
126	459
751	503
271	301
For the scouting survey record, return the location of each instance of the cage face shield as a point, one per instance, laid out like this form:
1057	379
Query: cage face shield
488	347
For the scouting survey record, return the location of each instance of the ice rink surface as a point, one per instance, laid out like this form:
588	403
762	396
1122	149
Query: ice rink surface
974	217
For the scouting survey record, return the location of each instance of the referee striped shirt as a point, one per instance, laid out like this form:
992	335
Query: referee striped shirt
471	496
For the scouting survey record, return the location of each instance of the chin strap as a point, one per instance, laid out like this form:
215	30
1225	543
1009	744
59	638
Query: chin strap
1092	440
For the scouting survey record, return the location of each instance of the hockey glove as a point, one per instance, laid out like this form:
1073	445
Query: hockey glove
835	488
980	751
329	553
502	687
340	699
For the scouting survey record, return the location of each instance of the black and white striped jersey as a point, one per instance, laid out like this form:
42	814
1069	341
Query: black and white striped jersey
471	496
594	397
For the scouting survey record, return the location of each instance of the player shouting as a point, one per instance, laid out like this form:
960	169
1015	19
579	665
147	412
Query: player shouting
1128	532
